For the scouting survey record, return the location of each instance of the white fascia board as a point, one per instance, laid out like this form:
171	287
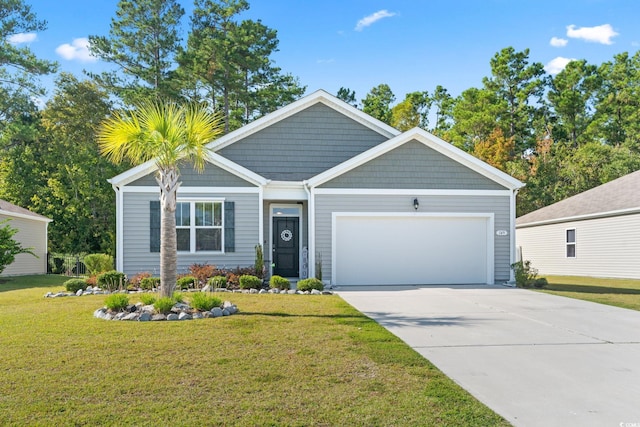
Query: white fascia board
25	216
411	192
191	190
236	169
132	174
630	211
297	106
213	158
430	141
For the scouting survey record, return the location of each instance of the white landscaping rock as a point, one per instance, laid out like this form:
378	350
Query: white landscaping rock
184	316
172	316
216	311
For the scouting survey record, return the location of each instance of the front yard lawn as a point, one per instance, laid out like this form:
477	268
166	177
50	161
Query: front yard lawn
623	293
287	360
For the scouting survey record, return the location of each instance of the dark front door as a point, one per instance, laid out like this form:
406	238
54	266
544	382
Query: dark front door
286	246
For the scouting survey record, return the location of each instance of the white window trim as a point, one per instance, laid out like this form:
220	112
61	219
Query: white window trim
567	243
192	224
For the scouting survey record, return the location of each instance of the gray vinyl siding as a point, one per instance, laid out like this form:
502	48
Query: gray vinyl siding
137	257
211	176
303	145
413	165
605	247
326	204
31	234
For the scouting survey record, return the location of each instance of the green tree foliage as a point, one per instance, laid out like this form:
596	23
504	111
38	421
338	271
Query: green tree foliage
9	248
571	96
165	133
60	173
377	103
142	42
19	72
412	112
518	87
348	96
442	107
228	64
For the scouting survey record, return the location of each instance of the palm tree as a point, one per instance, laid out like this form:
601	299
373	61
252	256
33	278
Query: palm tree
164	133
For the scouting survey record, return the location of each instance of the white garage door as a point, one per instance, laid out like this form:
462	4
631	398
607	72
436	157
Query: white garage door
412	249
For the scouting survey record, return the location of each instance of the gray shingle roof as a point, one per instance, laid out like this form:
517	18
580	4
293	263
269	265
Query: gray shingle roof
617	195
11	208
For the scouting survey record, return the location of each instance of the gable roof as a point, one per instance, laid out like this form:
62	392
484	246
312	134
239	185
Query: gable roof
319	96
431	141
616	197
10	209
301	104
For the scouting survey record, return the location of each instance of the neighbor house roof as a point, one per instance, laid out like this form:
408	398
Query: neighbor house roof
10	209
617	197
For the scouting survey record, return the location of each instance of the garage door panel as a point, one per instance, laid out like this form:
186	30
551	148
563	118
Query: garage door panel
388	250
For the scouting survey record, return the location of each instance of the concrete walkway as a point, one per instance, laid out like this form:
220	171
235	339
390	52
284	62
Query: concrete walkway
535	359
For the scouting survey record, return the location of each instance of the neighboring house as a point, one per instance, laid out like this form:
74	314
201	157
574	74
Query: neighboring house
327	188
595	233
32	233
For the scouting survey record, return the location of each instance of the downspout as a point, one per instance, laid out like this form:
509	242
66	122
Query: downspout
119	218
512	236
311	259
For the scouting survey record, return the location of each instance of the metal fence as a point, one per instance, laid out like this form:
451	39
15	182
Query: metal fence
67	264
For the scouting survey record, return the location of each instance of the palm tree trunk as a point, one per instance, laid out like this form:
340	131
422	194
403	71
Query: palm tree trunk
168	181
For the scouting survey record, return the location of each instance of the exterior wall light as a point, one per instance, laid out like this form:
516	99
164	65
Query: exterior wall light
416	205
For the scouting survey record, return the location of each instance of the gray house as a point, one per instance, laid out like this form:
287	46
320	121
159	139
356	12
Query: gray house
595	233
323	186
32	233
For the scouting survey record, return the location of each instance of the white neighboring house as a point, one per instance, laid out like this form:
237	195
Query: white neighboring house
595	233
32	233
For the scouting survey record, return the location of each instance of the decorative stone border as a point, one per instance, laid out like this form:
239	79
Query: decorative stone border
180	311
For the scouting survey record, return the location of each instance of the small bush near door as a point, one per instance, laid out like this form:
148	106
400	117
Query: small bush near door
527	276
248	281
309	284
279	282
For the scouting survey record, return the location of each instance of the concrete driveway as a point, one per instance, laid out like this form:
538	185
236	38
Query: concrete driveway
535	359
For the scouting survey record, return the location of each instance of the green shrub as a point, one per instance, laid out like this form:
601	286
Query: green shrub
98	263
218	282
178	297
309	284
279	282
540	282
148	283
524	273
204	302
147	299
247	281
259	262
117	302
186	282
112	280
164	305
73	285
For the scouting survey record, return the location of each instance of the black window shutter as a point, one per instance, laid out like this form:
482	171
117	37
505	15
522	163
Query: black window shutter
229	227
154	226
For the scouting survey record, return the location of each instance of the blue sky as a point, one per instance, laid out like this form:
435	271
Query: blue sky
410	45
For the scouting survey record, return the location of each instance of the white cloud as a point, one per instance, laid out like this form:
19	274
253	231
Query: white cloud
598	34
78	49
557	64
558	42
22	38
373	18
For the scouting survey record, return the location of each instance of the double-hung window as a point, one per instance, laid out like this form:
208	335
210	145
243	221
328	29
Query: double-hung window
570	240
199	226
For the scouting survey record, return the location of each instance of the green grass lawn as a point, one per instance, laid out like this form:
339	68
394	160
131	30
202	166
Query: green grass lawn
623	293
284	360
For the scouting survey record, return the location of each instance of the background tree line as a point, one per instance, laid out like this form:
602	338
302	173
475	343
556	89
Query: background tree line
560	134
